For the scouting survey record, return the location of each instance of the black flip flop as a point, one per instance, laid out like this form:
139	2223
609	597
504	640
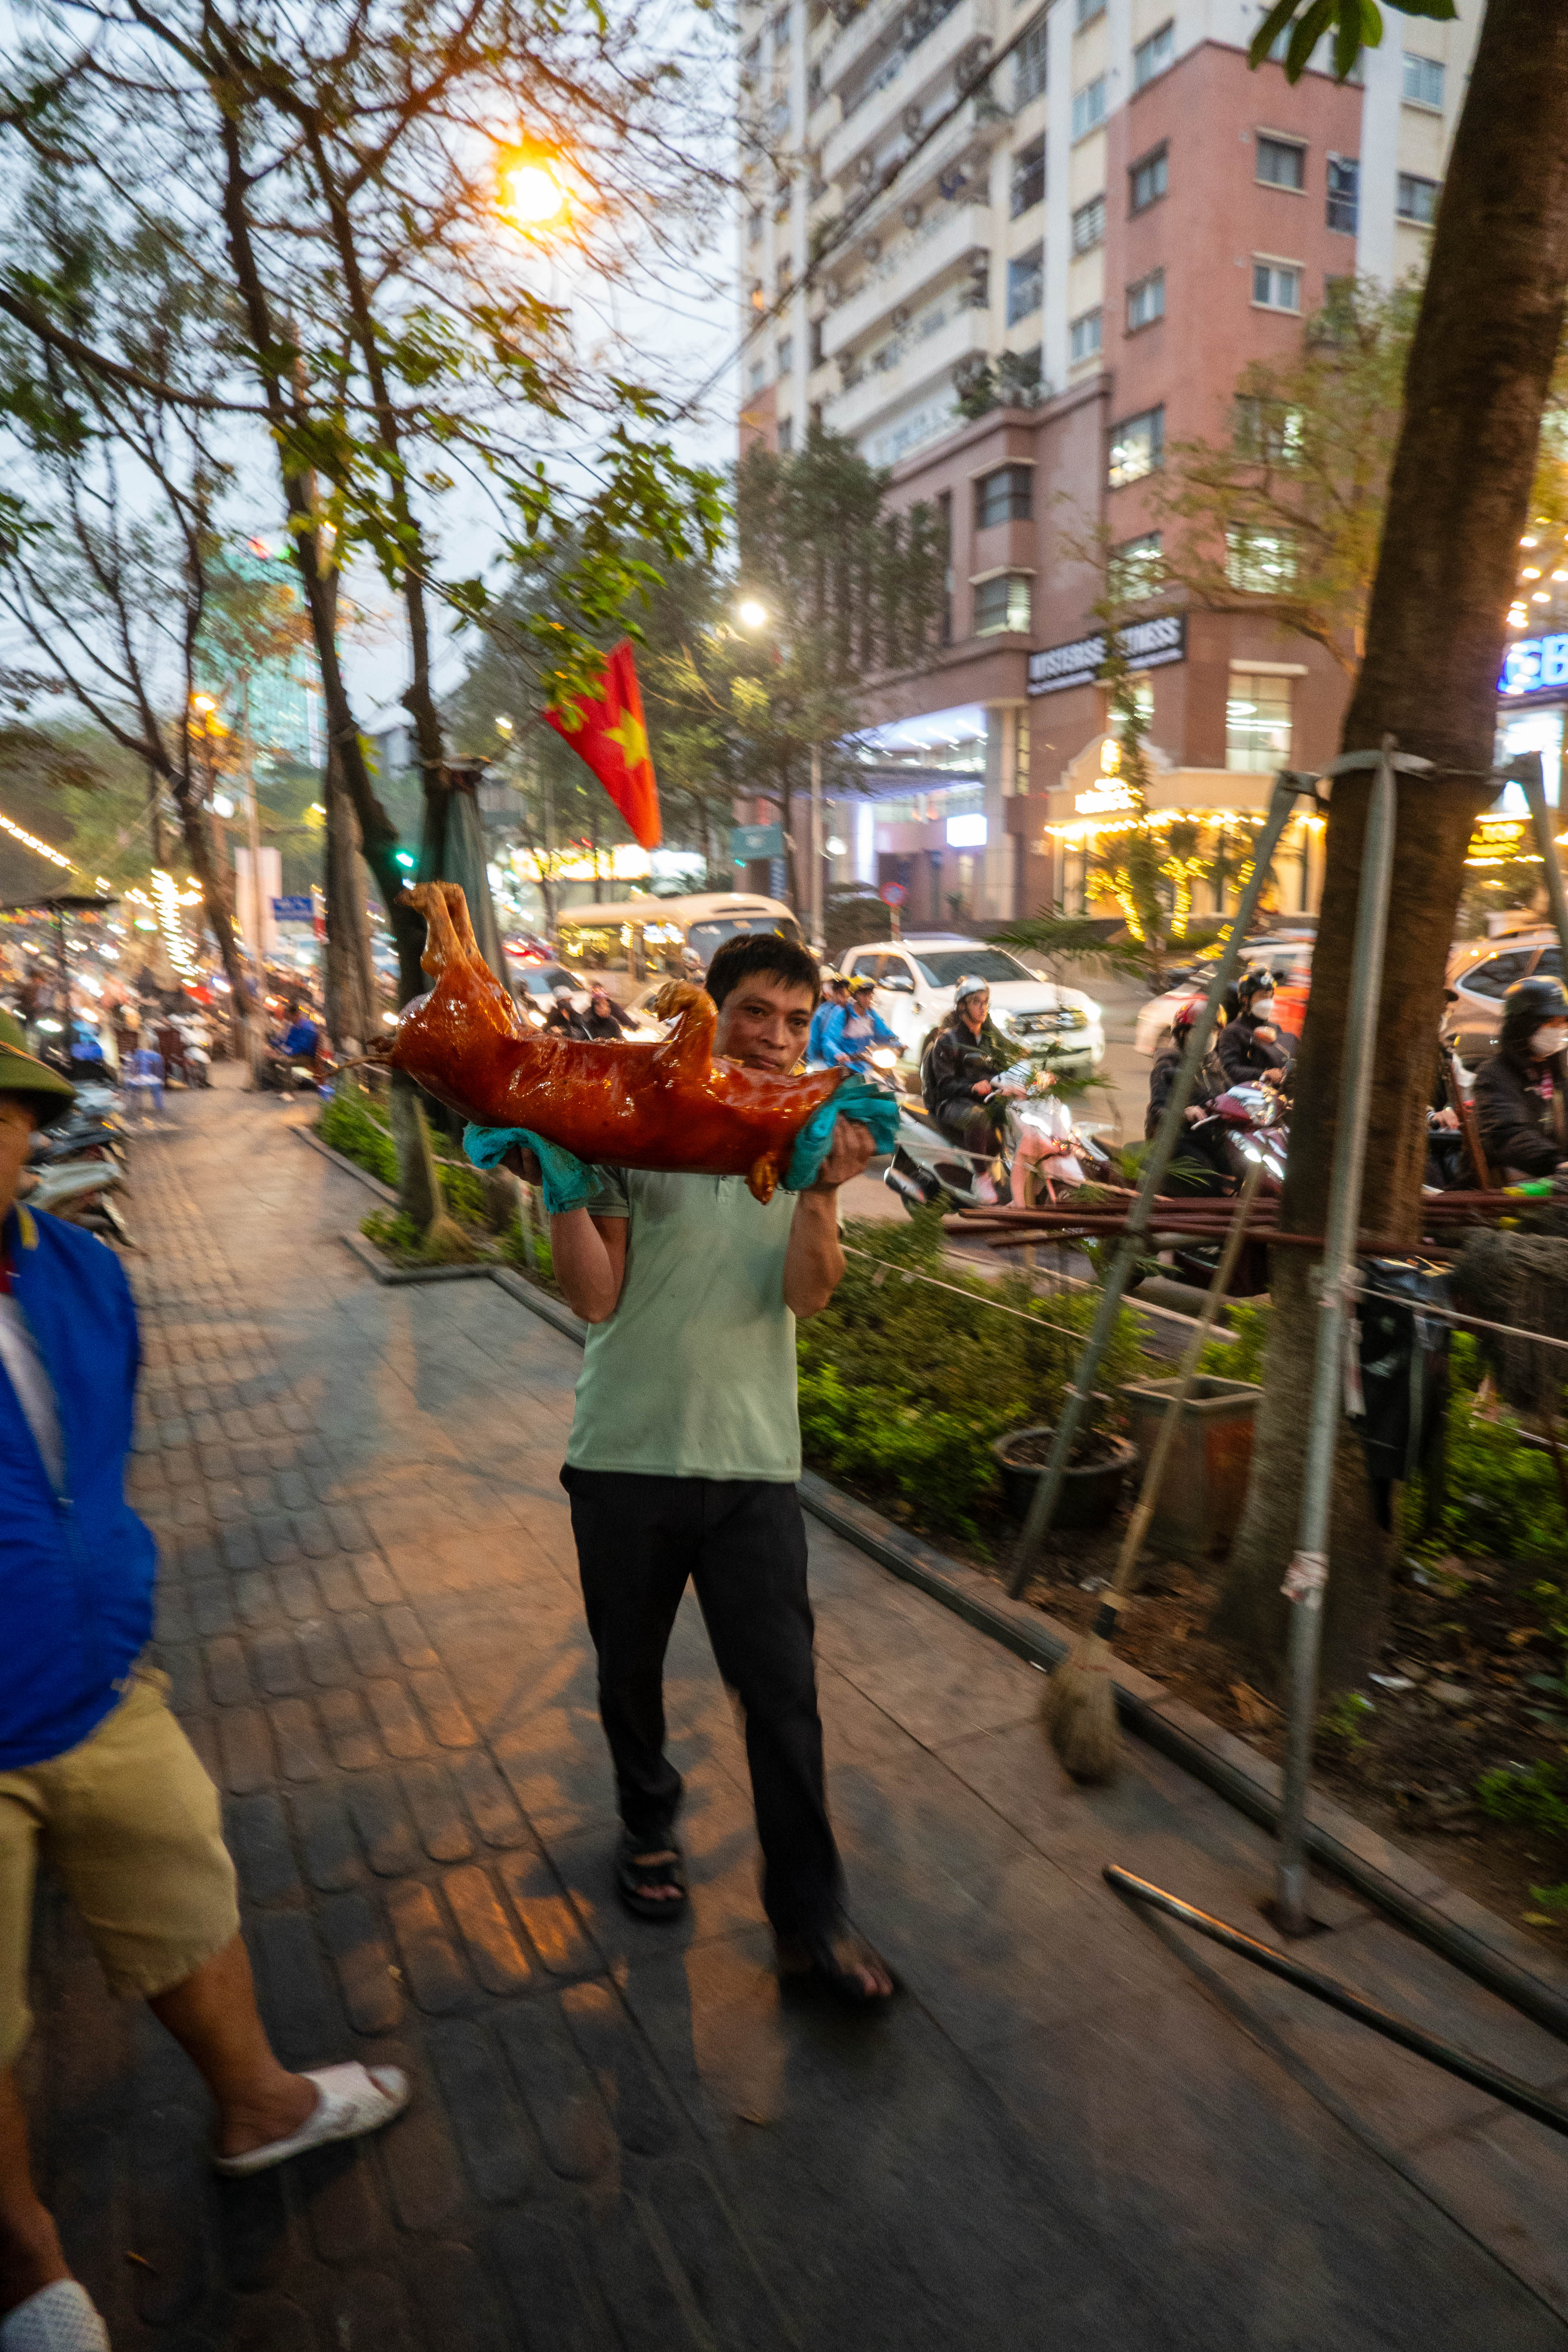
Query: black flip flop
829	1963
633	1878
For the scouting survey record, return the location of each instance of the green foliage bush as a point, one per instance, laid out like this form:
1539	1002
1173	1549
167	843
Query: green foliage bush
346	1125
1534	1794
1502	1495
903	1385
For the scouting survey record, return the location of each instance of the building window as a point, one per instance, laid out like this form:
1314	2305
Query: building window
751	58
1001	604
1086	12
1006	496
754	227
1146	301
1153	56
786	437
1259	562
1025	284
1344	190
1266	430
1281	163
1028	187
1088	225
1083	336
780	32
1423	82
1417	199
1258	722
778	117
1135	567
1088	106
1029	64
1277	285
944	526
759	374
817	353
1137	447
786	355
1148	179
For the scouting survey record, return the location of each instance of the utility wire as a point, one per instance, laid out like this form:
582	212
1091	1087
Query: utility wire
976	1298
850	220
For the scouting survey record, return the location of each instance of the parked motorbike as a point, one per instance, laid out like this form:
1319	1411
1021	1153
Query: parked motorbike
81	1192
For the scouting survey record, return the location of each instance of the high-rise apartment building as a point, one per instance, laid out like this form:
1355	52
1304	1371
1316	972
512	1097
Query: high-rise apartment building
1061	276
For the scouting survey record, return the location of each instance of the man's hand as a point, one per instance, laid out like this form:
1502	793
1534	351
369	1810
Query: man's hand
522	1162
852	1148
1448	1119
982	1087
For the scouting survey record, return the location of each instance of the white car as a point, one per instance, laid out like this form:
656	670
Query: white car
915	978
1289	956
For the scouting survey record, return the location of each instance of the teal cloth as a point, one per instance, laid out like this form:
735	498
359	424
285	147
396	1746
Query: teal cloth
569	1183
857	1098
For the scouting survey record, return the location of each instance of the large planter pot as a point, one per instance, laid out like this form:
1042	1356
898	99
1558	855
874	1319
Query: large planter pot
1090	1492
1205	1484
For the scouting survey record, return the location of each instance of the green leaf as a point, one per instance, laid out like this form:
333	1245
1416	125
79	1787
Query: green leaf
1309	32
1269	32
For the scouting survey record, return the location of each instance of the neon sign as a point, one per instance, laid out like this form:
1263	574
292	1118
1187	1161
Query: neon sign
1535	666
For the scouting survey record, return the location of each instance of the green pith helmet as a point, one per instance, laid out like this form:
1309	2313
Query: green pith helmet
22	1073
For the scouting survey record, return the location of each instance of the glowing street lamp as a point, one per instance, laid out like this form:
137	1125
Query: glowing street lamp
750	614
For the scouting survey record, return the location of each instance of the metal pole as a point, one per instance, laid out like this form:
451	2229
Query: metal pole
1526	772
252	827
1287	786
818	941
1308	1574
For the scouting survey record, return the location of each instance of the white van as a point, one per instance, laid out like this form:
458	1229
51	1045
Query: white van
915	978
631	941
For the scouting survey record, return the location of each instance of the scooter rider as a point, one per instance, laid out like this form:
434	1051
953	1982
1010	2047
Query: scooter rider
1211	1078
1521	1091
835	999
1251	1049
962	1070
851	1032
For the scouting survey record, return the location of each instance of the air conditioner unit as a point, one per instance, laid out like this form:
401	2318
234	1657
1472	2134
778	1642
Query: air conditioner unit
911	215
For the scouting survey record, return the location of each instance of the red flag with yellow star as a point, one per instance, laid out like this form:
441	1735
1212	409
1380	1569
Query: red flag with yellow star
607	730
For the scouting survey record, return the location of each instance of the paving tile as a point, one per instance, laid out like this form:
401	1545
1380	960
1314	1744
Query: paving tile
298	1734
257	1831
355	1935
489	1800
332	1855
555	2298
459	2303
396	1721
349	1733
541	1901
303	2012
432	1965
438	1816
487	2119
422	2166
365	1636
276	1663
345	2210
275	1536
407	1636
442	1708
327	1660
495	1954
568	2112
256	1597
245	1745
212	1606
298	1592
241	1548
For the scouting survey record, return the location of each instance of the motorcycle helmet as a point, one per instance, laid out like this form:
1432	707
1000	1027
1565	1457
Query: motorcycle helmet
1258	982
864	985
1527	1006
1181	1025
969	985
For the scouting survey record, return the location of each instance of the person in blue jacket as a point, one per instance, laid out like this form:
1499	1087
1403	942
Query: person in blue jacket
852	1031
835	999
96	1776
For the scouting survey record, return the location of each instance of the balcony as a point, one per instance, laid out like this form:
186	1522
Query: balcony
857	38
906	79
915	259
913	363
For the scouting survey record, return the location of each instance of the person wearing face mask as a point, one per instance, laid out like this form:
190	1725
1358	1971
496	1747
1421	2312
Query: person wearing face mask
1252	1050
1521	1092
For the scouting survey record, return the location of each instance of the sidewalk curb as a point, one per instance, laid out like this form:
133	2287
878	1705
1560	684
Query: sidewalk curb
1474	1939
371	1258
348	1167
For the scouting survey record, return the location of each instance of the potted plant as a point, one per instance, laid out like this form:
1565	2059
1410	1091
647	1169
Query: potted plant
1091	1490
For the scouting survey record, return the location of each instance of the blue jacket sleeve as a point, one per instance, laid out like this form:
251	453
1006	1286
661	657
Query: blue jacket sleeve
832	1033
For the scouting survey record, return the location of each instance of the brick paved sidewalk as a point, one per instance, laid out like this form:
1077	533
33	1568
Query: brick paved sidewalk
621	2138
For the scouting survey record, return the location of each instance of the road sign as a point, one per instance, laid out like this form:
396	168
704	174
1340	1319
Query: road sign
892	894
294	910
750	841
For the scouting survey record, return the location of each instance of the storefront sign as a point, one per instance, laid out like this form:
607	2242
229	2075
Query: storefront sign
1148	645
1535	666
1107	795
749	842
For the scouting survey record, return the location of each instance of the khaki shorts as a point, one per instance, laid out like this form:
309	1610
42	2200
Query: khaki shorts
129	1823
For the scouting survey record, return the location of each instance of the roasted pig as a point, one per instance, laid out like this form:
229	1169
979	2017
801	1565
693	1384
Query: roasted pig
621	1104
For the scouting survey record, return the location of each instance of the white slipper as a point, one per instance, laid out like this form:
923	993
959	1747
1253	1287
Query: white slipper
58	2318
355	2099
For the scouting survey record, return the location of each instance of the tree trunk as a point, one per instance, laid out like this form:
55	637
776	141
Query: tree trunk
245	1012
352	1011
1480	367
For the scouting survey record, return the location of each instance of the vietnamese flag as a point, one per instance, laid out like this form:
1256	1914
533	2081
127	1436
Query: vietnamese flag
607	730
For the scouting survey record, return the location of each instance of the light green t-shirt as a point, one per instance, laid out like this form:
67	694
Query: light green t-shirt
693	1376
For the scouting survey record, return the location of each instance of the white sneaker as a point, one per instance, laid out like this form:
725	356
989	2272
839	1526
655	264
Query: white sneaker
58	2318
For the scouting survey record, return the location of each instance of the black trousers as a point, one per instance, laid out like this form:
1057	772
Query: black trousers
742	1544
